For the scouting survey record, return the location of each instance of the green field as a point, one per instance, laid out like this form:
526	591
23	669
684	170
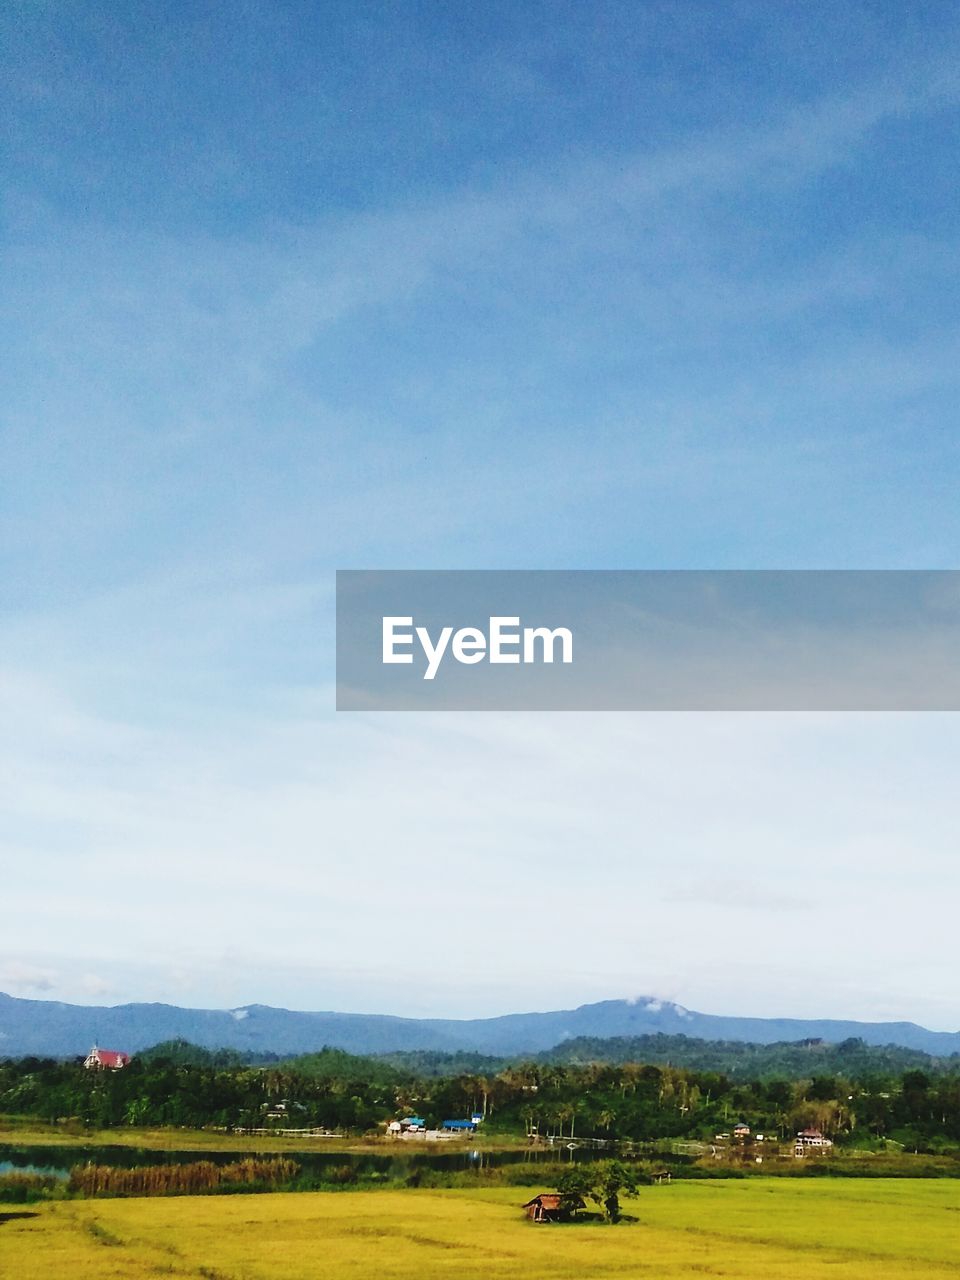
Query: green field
35	1134
26	1131
885	1229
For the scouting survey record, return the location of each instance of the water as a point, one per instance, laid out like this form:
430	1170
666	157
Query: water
58	1161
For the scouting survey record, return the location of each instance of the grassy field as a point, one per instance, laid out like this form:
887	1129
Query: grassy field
36	1134
40	1135
845	1230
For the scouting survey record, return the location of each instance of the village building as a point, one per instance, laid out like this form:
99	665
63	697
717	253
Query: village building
460	1126
409	1124
105	1059
811	1140
741	1131
549	1206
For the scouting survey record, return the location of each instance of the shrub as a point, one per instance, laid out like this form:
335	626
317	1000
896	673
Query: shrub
25	1188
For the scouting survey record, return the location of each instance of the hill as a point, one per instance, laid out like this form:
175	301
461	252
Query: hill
740	1060
53	1028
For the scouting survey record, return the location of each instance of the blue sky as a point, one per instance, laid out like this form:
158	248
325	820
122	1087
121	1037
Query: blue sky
296	287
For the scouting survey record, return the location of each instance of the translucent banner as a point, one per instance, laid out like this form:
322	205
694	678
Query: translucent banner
648	640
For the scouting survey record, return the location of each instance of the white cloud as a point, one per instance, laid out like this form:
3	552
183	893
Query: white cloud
94	986
17	977
501	835
736	895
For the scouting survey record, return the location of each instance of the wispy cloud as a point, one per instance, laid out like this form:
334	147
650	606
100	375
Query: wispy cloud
20	978
259	384
732	895
249	857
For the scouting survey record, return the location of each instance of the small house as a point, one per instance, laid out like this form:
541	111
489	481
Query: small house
105	1059
741	1131
459	1126
413	1124
550	1206
812	1138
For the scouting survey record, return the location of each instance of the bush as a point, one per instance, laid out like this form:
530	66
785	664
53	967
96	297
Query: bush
25	1188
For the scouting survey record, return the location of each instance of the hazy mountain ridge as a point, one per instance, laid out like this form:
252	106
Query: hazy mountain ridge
58	1029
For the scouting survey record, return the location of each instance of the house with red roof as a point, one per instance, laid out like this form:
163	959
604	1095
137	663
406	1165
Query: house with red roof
105	1059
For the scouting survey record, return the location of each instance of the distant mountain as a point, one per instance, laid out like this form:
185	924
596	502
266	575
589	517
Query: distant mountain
49	1027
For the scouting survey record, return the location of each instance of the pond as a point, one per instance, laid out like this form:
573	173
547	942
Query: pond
60	1160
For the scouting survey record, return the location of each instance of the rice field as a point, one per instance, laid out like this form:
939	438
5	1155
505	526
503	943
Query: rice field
813	1229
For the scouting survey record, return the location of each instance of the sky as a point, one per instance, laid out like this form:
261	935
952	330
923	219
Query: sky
290	287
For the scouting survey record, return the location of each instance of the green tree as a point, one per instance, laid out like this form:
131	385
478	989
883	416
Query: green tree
576	1184
614	1179
603	1183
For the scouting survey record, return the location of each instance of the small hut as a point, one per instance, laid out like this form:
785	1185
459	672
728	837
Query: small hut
550	1206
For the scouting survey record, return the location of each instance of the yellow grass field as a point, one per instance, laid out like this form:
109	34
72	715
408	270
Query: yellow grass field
876	1229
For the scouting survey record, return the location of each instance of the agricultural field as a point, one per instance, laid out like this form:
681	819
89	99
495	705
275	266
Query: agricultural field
846	1230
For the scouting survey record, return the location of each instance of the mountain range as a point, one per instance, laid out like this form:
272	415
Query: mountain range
48	1027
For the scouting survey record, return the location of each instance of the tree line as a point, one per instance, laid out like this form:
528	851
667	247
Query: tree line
184	1087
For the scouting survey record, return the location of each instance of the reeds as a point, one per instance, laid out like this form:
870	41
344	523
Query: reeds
181	1179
